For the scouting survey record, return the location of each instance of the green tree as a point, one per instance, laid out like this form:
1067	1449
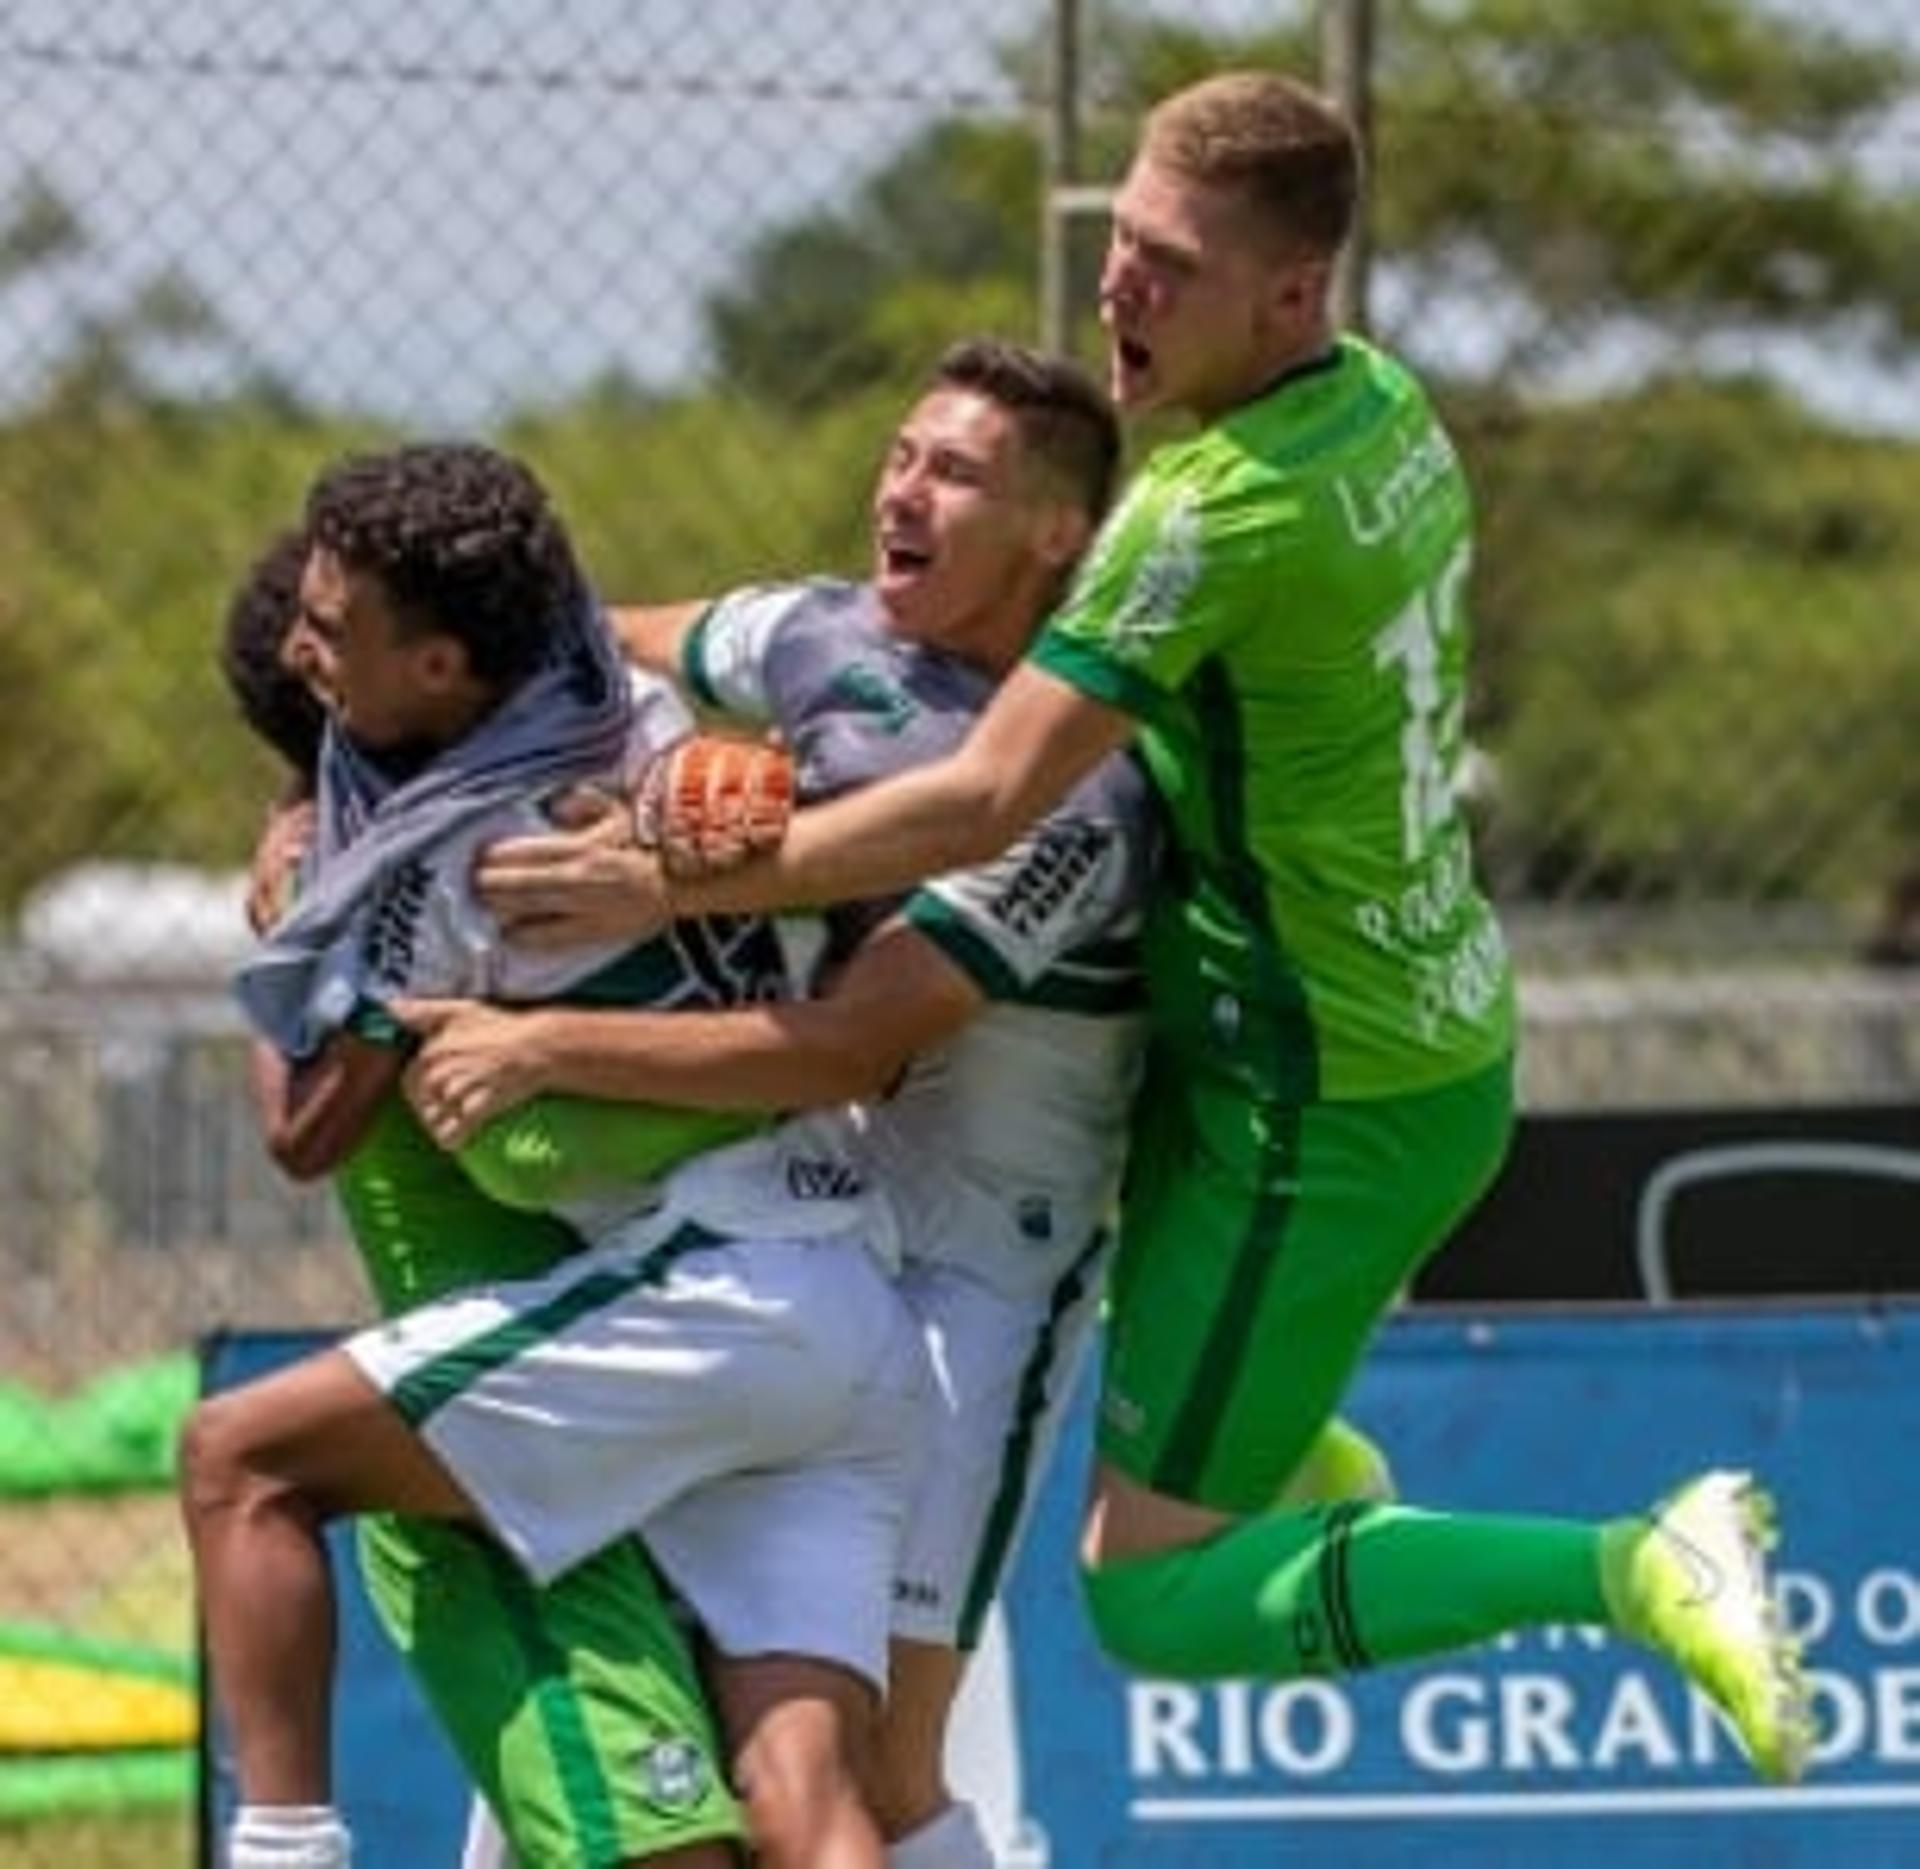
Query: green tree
124	530
1683	171
847	298
1672	570
37	228
1540	171
1701	682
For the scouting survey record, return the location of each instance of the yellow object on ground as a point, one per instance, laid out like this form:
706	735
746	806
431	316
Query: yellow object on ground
63	1693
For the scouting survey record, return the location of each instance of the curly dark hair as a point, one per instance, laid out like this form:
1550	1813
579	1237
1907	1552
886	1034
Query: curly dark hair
464	542
272	699
1065	418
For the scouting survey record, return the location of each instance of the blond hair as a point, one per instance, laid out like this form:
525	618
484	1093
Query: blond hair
1288	152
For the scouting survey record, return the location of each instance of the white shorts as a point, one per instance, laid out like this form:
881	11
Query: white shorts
1004	1369
755	1409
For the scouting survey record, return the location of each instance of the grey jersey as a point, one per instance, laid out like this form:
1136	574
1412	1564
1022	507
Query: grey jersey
423	932
1000	1150
426	934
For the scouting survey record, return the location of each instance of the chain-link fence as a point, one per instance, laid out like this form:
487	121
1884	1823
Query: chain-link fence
1657	262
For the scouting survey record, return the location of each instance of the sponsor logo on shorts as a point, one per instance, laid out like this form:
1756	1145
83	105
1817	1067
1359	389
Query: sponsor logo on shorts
674	1773
1122	1414
918	1592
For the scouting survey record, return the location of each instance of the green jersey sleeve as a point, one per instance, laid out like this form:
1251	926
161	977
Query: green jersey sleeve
1174	579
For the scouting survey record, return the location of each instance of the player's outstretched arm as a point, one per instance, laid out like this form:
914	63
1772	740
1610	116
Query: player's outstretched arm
898	996
1035	740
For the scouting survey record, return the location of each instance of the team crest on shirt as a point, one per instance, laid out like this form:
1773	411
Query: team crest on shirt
862	690
1162	581
674	1773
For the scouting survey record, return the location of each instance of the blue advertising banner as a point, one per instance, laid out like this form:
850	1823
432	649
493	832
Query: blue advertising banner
1560	1746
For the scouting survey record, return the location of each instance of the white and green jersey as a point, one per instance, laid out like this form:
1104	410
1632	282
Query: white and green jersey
1000	1150
423	933
1281	603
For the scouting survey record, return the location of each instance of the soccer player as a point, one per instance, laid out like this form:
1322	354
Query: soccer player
577	1708
729	1364
1276	612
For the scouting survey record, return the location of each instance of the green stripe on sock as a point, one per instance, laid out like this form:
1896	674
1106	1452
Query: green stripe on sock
1336	1587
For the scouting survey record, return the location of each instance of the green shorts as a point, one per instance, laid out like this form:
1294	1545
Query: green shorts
575	1709
1260	1246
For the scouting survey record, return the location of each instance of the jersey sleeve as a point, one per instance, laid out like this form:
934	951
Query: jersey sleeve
1034	923
1179	570
724	659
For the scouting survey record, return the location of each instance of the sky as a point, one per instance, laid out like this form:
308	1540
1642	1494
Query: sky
442	209
452	200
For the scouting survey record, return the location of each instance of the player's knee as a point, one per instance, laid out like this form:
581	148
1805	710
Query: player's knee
222	1469
800	1774
211	1459
907	1791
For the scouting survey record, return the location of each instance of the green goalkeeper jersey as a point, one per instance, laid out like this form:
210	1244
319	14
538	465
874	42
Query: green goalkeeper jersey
1281	603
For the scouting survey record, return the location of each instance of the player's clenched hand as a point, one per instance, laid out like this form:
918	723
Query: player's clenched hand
712	802
570	888
474	1061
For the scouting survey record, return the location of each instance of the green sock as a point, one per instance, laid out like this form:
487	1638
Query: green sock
1347	1587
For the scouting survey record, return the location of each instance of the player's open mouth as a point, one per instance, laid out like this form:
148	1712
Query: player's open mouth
1135	357
898	560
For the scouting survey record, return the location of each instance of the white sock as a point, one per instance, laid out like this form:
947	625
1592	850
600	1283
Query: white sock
953	1840
288	1836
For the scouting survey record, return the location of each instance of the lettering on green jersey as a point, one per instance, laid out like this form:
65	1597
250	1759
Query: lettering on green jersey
1433	740
1376	507
1468	982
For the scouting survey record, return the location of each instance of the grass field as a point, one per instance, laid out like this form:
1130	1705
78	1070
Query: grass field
144	1840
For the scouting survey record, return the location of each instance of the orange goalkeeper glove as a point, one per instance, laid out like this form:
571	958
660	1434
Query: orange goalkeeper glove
709	804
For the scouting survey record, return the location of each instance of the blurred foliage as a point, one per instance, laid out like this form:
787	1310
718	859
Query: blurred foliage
1699	670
